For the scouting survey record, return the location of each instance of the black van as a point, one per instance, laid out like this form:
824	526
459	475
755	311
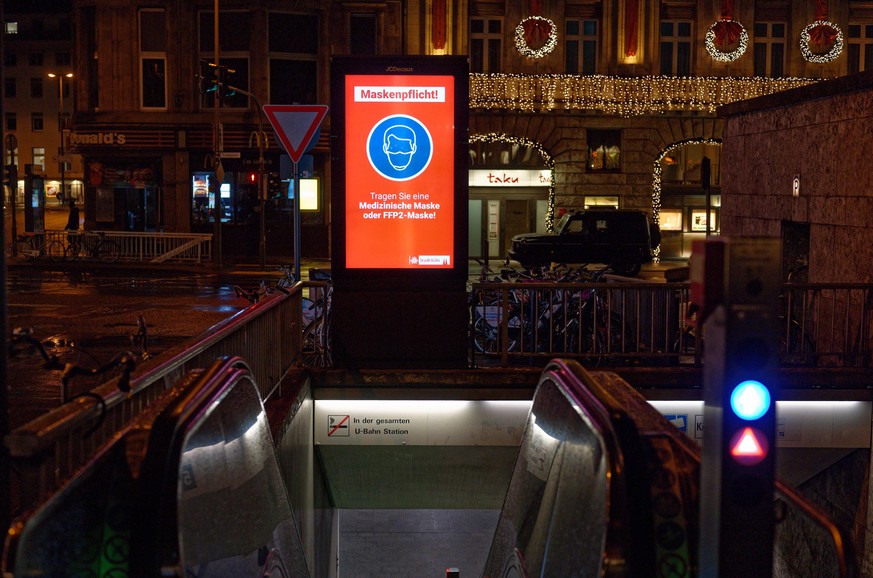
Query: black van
623	239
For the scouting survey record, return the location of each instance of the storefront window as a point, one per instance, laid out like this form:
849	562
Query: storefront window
604	150
610	201
681	166
237	195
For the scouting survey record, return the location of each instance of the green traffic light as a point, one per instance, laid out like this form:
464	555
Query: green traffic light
750	400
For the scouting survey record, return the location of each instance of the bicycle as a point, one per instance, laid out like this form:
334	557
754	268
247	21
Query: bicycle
283	285
30	246
23	342
95	246
316	345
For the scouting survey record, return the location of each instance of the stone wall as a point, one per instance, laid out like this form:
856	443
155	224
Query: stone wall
821	133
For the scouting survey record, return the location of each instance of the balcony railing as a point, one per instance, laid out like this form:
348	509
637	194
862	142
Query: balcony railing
618	95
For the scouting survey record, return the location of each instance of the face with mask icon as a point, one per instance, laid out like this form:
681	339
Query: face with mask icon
399	145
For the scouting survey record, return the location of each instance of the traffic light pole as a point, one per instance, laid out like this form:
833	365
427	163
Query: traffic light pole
735	285
262	178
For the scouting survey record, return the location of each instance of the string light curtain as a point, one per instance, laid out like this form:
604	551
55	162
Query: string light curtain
618	95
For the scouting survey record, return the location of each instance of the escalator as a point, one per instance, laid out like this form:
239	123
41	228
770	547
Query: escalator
602	485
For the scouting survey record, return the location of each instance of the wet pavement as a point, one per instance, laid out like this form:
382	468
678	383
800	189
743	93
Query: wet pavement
87	318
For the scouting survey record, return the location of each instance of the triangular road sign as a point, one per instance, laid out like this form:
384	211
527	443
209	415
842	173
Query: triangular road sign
295	125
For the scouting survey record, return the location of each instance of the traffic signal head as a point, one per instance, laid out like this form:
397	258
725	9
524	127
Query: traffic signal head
750	400
253	178
207	77
10	175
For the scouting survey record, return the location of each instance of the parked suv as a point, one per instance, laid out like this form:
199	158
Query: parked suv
623	239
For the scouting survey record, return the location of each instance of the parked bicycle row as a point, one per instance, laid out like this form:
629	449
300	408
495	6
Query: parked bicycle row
71	246
603	320
316	310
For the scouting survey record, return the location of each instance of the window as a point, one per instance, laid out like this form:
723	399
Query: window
10	59
38	156
35	59
581	48
675	47
36	123
62	59
9	88
234	31
293	58
36	88
11	121
486	38
362	33
859	47
153	59
604	150
11	27
769	49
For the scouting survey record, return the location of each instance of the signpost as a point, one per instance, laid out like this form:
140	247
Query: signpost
295	126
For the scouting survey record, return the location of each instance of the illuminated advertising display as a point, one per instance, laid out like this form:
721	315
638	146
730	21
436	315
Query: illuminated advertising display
399	188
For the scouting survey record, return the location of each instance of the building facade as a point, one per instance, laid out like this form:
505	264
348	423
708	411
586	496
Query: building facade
38	77
573	104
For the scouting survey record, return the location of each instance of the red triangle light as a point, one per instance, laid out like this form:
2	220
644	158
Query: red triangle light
749	446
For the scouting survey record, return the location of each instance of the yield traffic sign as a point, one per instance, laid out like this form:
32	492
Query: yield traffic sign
295	125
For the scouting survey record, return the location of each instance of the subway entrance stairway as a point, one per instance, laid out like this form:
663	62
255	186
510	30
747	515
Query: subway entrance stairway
587	479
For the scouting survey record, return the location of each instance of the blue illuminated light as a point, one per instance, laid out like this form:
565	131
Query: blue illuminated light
750	400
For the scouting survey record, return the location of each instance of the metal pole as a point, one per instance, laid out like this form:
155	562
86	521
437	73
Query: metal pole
262	192
62	122
5	458
296	221
216	157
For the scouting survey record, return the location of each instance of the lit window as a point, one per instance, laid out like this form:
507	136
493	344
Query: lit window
11	27
604	150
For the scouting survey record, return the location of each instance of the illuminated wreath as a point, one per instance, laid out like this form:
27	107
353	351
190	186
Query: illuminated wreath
727	31
521	42
819	33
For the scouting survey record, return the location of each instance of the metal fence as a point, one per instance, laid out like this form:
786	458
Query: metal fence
618	324
145	247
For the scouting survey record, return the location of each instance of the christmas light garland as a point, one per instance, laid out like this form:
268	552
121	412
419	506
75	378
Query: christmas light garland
656	178
521	41
806	39
617	95
721	55
493	137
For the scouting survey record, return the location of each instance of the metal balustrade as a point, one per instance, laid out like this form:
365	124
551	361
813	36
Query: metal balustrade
616	324
148	247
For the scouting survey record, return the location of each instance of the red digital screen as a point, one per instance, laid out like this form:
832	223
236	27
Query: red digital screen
400	173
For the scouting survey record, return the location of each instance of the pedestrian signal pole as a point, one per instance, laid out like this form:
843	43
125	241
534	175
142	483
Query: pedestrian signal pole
735	284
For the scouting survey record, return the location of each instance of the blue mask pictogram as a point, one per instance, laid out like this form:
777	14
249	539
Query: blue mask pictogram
399	147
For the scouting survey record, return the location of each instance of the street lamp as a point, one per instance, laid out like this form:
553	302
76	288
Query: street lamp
62	122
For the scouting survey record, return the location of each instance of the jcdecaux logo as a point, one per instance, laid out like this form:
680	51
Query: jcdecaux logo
399	147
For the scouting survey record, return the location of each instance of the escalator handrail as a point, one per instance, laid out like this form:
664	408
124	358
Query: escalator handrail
161	461
630	527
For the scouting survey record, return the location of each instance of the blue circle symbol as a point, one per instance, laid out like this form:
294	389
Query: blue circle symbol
750	400
399	147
